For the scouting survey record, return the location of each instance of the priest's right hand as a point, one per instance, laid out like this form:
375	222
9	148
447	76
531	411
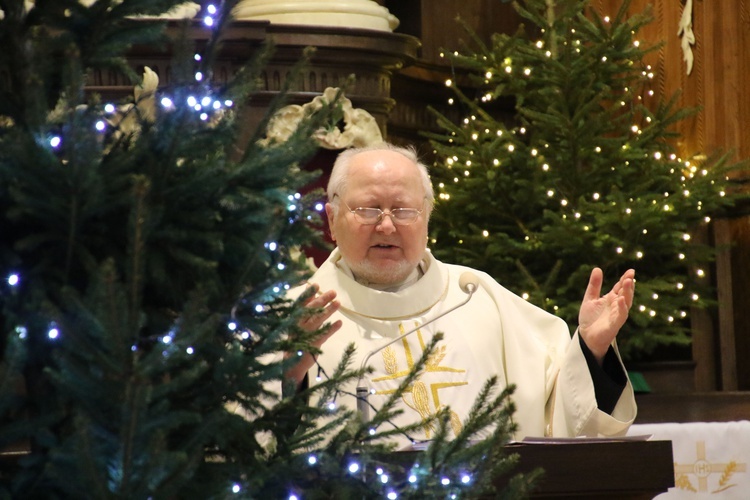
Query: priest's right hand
327	304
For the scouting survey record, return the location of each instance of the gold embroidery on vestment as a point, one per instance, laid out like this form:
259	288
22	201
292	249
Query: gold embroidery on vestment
417	397
444	385
390	361
456	423
432	364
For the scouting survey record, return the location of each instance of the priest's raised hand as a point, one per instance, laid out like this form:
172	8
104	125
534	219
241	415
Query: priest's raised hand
601	317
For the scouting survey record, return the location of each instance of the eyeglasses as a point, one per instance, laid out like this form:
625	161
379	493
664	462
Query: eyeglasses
371	216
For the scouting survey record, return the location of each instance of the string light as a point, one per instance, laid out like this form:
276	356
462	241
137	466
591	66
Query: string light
209	20
53	333
689	171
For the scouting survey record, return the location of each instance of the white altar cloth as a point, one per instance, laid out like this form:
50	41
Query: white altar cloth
711	459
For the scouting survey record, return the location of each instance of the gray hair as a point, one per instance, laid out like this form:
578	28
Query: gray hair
340	172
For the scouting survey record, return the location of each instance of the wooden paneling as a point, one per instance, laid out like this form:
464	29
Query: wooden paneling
421	85
434	22
696	407
716	81
733	279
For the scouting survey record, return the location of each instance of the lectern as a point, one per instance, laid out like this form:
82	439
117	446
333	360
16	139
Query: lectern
576	469
592	469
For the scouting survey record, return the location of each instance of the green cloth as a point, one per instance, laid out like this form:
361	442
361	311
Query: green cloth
639	382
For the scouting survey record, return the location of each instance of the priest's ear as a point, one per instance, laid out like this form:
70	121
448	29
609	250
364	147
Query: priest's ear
331	215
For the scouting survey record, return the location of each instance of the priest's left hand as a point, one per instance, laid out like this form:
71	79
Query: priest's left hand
601	317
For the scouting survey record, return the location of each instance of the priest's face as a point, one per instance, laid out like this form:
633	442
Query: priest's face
382	253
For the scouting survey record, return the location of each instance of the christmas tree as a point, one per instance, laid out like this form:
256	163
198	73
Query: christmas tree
584	173
145	255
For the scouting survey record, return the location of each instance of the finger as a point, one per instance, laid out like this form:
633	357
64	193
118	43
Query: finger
622	310
314	293
594	288
322	300
628	292
315	304
315	321
332	328
329	309
626	285
628	275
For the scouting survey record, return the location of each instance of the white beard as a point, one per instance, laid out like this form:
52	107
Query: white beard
365	271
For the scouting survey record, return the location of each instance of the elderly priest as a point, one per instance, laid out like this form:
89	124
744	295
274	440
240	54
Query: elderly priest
382	290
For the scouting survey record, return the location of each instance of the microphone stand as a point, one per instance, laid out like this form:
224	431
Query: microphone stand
468	283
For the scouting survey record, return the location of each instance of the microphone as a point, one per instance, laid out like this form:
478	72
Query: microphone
468	282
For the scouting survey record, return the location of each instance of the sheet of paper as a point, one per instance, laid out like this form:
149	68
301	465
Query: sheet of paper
561	440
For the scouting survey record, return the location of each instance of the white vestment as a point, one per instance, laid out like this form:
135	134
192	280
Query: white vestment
495	333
